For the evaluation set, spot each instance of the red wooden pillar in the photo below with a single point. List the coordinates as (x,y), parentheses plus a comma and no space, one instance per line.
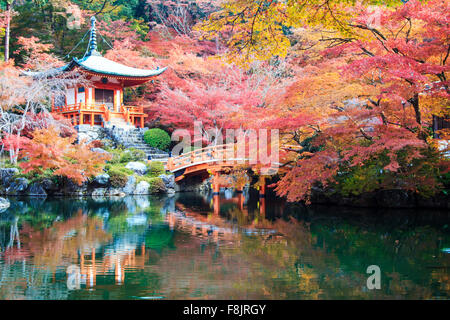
(216,192)
(216,204)
(92,119)
(216,183)
(142,121)
(241,201)
(81,118)
(262,186)
(262,207)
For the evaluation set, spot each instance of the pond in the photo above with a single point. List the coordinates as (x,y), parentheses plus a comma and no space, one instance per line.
(236,246)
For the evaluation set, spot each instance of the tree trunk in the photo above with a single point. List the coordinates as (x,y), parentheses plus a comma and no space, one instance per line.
(8,30)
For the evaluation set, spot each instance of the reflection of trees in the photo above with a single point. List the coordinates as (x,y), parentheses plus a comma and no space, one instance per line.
(32,255)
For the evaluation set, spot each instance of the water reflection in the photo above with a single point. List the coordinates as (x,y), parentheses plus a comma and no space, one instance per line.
(236,246)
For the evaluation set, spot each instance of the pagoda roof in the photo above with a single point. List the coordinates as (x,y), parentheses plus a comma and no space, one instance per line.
(93,63)
(99,65)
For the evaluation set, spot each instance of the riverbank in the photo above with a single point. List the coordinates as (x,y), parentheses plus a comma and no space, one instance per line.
(140,183)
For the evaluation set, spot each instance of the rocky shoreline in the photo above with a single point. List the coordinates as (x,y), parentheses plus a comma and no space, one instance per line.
(10,185)
(100,186)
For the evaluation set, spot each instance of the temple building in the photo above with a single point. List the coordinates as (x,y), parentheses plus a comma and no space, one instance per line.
(101,102)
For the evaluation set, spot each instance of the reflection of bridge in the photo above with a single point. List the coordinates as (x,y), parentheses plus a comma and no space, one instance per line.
(217,160)
(213,227)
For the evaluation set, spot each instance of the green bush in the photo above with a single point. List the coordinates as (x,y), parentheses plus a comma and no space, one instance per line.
(121,155)
(157,138)
(155,168)
(118,175)
(156,184)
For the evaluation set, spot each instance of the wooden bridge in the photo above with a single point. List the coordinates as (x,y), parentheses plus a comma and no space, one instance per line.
(217,160)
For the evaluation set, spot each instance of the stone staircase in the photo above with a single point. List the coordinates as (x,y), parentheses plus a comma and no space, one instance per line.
(131,137)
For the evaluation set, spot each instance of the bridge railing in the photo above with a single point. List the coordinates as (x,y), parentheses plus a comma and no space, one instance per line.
(225,152)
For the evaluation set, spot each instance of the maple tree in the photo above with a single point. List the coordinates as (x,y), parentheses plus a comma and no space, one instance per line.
(47,150)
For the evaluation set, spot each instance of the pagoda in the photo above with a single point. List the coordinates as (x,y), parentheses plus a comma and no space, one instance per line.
(101,102)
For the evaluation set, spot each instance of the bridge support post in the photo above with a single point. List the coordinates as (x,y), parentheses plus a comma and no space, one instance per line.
(216,184)
(262,207)
(262,186)
(216,193)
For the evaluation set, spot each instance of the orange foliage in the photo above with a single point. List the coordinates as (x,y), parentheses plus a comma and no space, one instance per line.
(49,151)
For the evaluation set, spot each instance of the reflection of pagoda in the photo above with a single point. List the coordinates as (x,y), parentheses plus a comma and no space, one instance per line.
(101,102)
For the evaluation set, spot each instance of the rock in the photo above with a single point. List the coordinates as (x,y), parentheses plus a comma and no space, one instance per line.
(169,180)
(6,175)
(36,190)
(99,150)
(115,193)
(49,185)
(130,187)
(170,191)
(395,198)
(99,192)
(4,204)
(142,188)
(192,184)
(102,179)
(138,167)
(17,187)
(88,133)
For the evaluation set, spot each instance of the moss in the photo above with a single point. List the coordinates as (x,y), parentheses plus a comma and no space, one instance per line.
(155,168)
(156,184)
(121,155)
(118,174)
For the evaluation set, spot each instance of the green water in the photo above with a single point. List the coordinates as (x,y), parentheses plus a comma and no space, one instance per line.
(179,248)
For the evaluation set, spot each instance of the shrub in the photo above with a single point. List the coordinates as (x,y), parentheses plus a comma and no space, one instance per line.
(96,144)
(132,154)
(117,178)
(121,155)
(155,168)
(118,174)
(156,184)
(157,138)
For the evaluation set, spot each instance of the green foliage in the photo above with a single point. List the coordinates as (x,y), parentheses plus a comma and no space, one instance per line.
(156,184)
(34,176)
(156,168)
(118,174)
(157,138)
(121,155)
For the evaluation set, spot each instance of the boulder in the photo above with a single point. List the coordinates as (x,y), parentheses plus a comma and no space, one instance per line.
(99,150)
(130,187)
(36,190)
(6,175)
(4,204)
(169,180)
(115,193)
(49,185)
(99,192)
(17,187)
(142,188)
(102,179)
(137,167)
